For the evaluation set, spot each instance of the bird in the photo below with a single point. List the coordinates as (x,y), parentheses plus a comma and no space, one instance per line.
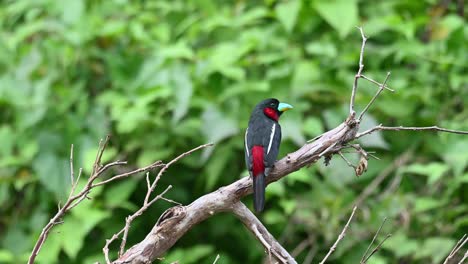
(262,142)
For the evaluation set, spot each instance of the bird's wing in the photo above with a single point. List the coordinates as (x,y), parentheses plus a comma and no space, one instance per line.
(247,151)
(272,146)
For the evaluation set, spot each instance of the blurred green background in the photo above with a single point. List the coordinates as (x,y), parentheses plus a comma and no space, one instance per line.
(164,76)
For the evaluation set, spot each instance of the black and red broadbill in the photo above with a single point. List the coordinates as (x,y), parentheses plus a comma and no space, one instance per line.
(262,141)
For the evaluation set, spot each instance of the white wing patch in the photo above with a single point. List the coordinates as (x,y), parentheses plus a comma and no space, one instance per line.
(246,148)
(273,128)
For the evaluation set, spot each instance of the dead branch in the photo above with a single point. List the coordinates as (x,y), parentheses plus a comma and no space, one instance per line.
(73,200)
(260,232)
(146,203)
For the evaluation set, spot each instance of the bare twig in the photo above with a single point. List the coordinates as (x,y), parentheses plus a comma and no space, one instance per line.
(464,258)
(216,259)
(365,258)
(340,237)
(148,201)
(154,184)
(102,147)
(73,200)
(457,248)
(132,217)
(398,128)
(381,88)
(376,83)
(377,248)
(154,165)
(72,172)
(359,73)
(346,160)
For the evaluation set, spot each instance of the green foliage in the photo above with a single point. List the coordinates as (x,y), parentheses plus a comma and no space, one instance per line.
(164,76)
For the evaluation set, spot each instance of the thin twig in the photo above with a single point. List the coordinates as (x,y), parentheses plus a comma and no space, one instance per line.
(376,83)
(155,182)
(102,147)
(398,128)
(373,239)
(216,259)
(126,174)
(457,248)
(148,201)
(129,219)
(72,172)
(346,160)
(359,73)
(365,258)
(377,248)
(381,88)
(74,199)
(464,258)
(340,237)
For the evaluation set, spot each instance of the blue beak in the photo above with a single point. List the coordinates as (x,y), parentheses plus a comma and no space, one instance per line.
(283,107)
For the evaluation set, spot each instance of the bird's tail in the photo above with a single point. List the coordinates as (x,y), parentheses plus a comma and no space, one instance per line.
(259,192)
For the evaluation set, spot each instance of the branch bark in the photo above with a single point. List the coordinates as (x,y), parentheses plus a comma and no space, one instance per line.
(251,222)
(176,221)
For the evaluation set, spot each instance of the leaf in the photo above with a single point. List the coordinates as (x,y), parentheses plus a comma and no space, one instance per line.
(304,77)
(424,204)
(179,50)
(287,13)
(183,84)
(194,254)
(303,176)
(291,128)
(118,193)
(251,16)
(456,155)
(434,171)
(6,256)
(288,205)
(375,139)
(342,15)
(277,189)
(76,226)
(274,217)
(53,173)
(435,248)
(216,127)
(312,127)
(72,12)
(217,165)
(401,245)
(322,48)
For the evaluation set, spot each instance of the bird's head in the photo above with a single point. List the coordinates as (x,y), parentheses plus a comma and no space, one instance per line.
(272,108)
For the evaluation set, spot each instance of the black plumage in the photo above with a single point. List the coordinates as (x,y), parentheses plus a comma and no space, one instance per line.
(262,141)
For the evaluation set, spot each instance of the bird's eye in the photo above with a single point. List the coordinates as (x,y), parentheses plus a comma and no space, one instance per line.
(272,104)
